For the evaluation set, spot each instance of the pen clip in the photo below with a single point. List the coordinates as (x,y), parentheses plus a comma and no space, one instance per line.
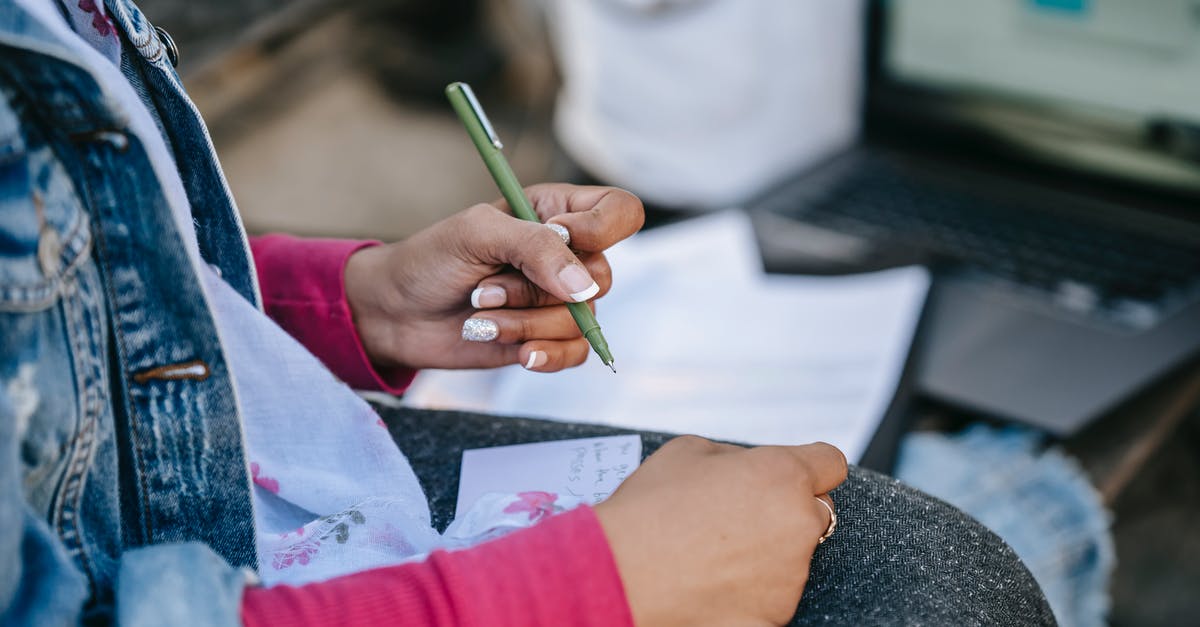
(477,109)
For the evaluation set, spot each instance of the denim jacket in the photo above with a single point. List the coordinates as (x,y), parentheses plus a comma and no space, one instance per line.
(125,493)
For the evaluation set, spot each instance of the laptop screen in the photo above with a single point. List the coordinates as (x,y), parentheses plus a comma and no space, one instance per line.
(1127,71)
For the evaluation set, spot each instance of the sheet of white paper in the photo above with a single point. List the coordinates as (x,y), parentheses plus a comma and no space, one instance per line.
(587,468)
(706,343)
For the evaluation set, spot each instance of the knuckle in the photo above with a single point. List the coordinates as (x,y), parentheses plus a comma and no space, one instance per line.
(544,249)
(693,443)
(531,293)
(475,223)
(842,463)
(777,464)
(525,329)
(478,212)
(571,331)
(536,191)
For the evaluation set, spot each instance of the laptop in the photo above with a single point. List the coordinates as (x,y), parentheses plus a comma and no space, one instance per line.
(1043,157)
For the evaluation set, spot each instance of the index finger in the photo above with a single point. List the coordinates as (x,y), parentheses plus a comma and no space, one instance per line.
(596,217)
(826,465)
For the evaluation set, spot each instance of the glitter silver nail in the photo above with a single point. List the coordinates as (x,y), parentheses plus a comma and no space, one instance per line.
(480,330)
(562,232)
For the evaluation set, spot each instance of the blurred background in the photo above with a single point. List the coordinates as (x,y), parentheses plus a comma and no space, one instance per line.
(329,120)
(329,117)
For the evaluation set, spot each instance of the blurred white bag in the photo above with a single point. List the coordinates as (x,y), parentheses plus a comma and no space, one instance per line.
(703,103)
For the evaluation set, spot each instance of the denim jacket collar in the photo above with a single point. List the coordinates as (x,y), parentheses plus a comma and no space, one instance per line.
(18,29)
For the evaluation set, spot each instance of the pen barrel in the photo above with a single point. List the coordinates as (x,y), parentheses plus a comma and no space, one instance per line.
(586,320)
(488,149)
(506,180)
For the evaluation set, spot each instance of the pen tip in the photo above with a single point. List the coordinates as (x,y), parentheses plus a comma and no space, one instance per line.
(613,367)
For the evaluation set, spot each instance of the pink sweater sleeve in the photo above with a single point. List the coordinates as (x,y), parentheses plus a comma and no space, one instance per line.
(560,572)
(304,291)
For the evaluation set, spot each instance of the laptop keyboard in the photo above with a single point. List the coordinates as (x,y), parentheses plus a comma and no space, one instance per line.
(1099,271)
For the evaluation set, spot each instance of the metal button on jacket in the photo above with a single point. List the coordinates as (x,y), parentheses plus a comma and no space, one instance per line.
(169,44)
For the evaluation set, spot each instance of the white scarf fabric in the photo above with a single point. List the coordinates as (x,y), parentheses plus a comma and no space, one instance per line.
(332,494)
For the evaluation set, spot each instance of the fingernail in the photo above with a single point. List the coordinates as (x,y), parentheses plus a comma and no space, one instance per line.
(489,296)
(562,232)
(480,330)
(578,282)
(536,359)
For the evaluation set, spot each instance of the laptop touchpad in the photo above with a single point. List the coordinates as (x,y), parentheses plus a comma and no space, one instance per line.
(789,246)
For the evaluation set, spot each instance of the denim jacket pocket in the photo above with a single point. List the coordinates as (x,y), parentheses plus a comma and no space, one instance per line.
(44,232)
(50,318)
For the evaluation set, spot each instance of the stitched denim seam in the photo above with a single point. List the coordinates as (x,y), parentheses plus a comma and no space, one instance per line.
(69,502)
(157,52)
(143,38)
(136,37)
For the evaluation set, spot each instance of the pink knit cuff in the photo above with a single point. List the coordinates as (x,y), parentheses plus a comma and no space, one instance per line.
(560,572)
(304,291)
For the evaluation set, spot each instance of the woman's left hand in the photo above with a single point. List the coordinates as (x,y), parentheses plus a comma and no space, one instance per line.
(504,278)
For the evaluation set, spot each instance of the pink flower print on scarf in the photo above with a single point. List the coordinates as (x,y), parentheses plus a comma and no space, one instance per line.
(100,20)
(538,504)
(267,483)
(302,552)
(335,526)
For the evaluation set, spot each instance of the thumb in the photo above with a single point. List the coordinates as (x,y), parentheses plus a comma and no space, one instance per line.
(495,237)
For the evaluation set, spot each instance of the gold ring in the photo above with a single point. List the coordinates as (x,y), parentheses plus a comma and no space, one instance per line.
(832,522)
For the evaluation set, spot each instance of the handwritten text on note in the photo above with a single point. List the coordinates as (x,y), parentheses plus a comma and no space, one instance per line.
(588,468)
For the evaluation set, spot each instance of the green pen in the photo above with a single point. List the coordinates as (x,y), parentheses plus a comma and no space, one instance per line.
(484,136)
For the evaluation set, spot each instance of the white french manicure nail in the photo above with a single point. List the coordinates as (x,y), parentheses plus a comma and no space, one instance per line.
(489,296)
(480,330)
(578,282)
(536,358)
(587,294)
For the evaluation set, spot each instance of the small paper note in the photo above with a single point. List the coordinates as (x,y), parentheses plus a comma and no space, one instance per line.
(588,468)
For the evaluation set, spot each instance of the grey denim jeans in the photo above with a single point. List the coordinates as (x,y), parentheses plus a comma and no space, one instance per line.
(898,557)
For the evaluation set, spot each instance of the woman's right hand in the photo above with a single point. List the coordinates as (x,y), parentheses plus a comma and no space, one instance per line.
(715,534)
(411,299)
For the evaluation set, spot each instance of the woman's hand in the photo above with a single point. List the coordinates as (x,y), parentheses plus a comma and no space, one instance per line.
(714,534)
(411,299)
